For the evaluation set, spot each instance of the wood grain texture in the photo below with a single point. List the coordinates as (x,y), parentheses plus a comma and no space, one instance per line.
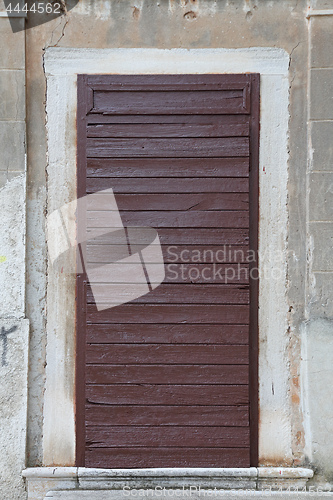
(167,334)
(181,219)
(171,313)
(184,274)
(180,236)
(172,126)
(230,121)
(146,83)
(157,354)
(168,185)
(229,416)
(198,254)
(169,103)
(176,294)
(192,437)
(167,457)
(168,167)
(220,395)
(168,374)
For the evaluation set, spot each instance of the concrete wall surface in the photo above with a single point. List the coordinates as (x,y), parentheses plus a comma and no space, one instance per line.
(14,327)
(298,192)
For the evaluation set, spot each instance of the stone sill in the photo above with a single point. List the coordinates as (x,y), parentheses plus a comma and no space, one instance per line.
(44,479)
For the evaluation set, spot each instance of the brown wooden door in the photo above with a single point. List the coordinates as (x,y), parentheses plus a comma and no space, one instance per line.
(170,379)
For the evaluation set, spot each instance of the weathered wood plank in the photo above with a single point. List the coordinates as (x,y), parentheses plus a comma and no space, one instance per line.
(168,82)
(220,395)
(200,219)
(168,185)
(167,334)
(171,313)
(167,374)
(175,102)
(176,294)
(169,148)
(157,354)
(199,254)
(168,167)
(237,416)
(191,437)
(226,274)
(180,126)
(180,201)
(167,457)
(176,236)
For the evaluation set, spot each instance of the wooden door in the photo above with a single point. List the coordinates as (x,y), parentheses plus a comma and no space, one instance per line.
(170,379)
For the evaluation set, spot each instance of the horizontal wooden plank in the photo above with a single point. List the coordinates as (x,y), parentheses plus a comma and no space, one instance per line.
(226,120)
(170,313)
(176,236)
(220,395)
(167,334)
(237,416)
(176,102)
(172,437)
(167,374)
(158,354)
(200,219)
(168,82)
(166,457)
(170,148)
(178,127)
(183,201)
(169,185)
(201,254)
(168,167)
(176,294)
(226,274)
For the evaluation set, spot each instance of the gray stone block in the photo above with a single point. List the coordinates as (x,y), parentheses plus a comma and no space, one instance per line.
(12,54)
(321,94)
(12,248)
(3,179)
(321,243)
(12,91)
(320,298)
(317,344)
(321,197)
(322,144)
(321,55)
(12,146)
(14,338)
(194,495)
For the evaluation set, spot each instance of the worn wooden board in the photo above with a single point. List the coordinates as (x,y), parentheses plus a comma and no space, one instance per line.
(219,395)
(167,334)
(167,374)
(159,354)
(162,415)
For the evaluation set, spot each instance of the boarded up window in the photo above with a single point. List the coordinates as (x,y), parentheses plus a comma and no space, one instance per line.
(170,378)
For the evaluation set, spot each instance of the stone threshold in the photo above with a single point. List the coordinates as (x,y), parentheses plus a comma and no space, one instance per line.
(42,480)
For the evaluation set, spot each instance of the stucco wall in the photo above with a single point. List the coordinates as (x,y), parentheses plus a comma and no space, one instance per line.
(14,327)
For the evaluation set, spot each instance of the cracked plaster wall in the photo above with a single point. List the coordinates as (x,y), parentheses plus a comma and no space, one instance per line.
(14,327)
